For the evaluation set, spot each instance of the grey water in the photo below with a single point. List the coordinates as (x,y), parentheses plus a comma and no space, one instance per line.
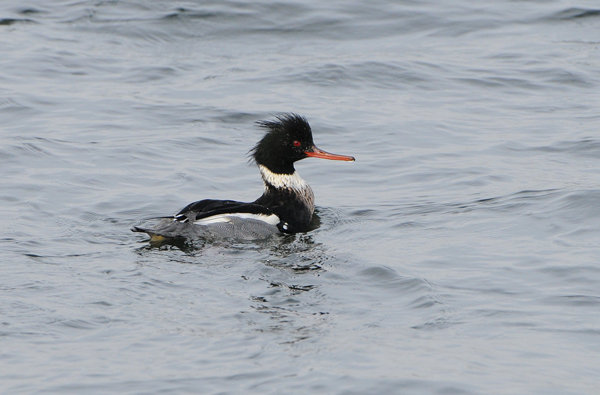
(459,254)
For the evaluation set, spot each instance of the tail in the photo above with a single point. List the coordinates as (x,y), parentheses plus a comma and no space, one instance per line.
(138,229)
(168,228)
(154,236)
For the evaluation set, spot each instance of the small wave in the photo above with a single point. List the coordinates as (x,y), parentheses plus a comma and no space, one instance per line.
(181,13)
(12,21)
(10,105)
(355,75)
(574,300)
(30,11)
(587,146)
(327,218)
(143,74)
(576,13)
(577,207)
(387,277)
(497,203)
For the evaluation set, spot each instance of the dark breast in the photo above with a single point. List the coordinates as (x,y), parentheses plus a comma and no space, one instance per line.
(291,206)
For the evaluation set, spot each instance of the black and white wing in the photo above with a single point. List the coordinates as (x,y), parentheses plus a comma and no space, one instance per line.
(210,211)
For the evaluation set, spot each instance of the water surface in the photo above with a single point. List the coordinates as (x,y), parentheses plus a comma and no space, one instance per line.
(459,254)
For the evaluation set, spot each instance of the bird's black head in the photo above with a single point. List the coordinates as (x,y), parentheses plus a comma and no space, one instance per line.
(288,140)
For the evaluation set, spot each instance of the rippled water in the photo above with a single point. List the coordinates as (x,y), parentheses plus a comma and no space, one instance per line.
(459,254)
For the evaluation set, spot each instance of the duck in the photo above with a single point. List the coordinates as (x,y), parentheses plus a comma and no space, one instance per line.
(286,206)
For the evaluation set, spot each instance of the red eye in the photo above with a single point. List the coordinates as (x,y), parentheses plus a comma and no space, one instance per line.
(297,143)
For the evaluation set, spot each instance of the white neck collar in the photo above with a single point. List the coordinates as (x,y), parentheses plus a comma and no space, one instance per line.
(280,181)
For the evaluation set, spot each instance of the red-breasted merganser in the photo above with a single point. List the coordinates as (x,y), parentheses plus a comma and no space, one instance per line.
(286,206)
